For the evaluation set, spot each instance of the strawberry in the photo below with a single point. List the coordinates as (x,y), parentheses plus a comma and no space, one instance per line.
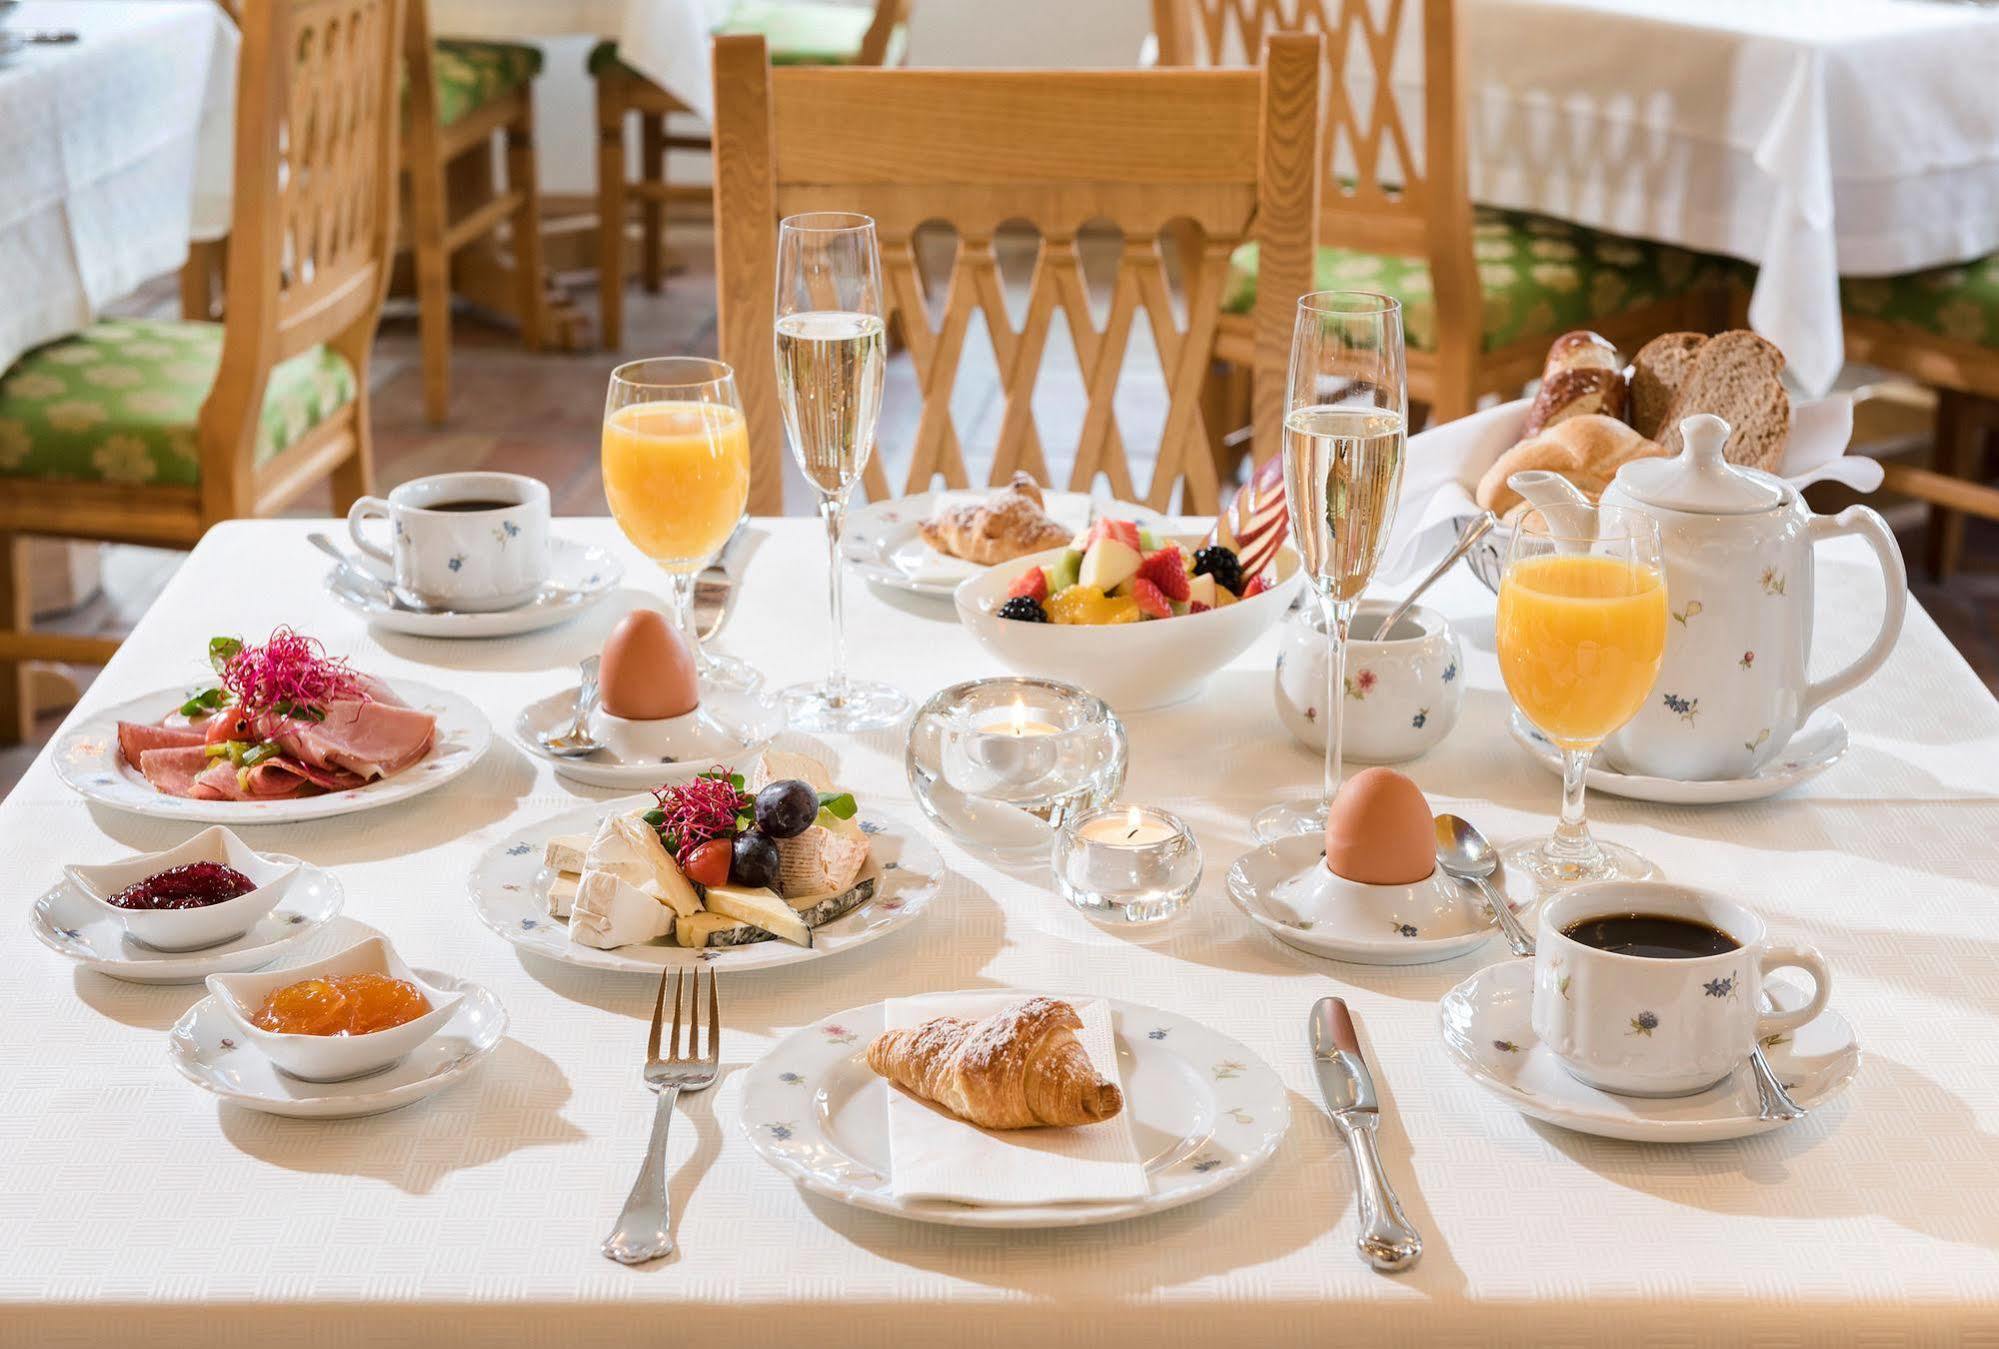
(1167,569)
(1257,586)
(1124,531)
(1033,584)
(1199,608)
(1152,602)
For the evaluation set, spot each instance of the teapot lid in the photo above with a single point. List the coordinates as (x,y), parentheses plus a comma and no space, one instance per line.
(1697,479)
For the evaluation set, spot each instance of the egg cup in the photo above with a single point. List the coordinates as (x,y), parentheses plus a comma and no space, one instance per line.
(723,726)
(189,929)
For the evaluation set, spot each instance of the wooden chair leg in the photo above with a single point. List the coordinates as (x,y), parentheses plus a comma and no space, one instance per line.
(652,209)
(198,275)
(433,280)
(17,703)
(522,180)
(1943,545)
(610,213)
(354,477)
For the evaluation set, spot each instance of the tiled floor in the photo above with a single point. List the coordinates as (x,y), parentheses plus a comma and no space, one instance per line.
(540,415)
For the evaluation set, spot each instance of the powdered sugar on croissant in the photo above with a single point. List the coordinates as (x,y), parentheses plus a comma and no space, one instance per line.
(1019,1068)
(1008,524)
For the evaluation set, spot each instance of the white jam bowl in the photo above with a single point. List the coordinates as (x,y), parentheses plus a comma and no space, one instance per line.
(190,929)
(1403,689)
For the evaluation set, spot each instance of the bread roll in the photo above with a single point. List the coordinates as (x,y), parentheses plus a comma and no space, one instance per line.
(1587,450)
(1582,375)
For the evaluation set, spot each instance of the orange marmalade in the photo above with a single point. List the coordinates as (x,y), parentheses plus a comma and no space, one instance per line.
(341,1004)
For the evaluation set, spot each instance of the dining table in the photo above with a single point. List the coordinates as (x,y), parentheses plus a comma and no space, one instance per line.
(136,1208)
(664,40)
(115,152)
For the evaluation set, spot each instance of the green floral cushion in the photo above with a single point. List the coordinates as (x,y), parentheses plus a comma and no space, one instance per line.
(1540,276)
(473,74)
(1961,302)
(798,33)
(118,402)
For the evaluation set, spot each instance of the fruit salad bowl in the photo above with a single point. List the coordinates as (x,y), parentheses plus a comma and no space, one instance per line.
(1132,665)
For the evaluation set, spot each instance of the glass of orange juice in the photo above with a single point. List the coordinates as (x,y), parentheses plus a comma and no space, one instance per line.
(1580,632)
(677,475)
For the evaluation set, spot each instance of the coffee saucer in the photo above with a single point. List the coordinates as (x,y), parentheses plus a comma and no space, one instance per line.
(728,730)
(210,1051)
(1488,1032)
(579,576)
(1819,744)
(1434,919)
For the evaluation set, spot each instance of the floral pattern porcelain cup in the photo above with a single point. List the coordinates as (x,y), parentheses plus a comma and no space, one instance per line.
(1402,690)
(468,561)
(1641,1026)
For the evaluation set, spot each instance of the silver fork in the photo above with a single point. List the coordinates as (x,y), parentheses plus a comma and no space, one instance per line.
(643,1231)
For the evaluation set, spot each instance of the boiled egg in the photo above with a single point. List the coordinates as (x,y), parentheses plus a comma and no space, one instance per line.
(1379,830)
(646,672)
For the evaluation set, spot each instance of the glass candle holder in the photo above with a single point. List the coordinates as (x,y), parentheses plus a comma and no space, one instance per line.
(999,764)
(1127,864)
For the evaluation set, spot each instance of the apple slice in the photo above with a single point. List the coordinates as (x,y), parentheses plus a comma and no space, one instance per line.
(1109,563)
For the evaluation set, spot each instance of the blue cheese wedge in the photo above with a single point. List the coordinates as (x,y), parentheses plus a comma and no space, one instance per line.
(762,909)
(824,860)
(714,929)
(818,910)
(565,852)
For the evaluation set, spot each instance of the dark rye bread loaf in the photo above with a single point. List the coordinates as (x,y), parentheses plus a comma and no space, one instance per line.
(1657,372)
(1739,377)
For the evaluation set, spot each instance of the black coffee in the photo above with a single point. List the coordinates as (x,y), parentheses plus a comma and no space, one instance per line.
(1652,935)
(471,505)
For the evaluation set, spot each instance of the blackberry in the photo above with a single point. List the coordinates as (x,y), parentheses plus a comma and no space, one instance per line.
(1025,609)
(1220,562)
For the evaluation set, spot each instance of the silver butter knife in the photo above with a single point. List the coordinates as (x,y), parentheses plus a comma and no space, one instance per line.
(1385,1240)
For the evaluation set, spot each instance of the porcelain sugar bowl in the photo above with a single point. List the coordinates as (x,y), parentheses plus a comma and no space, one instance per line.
(1402,689)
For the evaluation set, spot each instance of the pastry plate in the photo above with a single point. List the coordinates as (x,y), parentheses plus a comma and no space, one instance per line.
(579,576)
(882,543)
(741,724)
(1378,925)
(1488,1031)
(1204,1110)
(205,1046)
(87,758)
(509,889)
(70,925)
(1819,744)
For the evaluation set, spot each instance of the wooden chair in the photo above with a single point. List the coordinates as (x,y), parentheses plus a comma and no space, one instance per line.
(1939,327)
(142,431)
(461,95)
(1483,291)
(1214,157)
(799,32)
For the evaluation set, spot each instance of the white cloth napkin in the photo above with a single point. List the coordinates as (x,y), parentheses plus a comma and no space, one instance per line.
(935,1155)
(1445,463)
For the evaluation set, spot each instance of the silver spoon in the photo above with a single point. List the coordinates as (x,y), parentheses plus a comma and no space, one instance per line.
(1463,853)
(1773,1102)
(1479,526)
(360,579)
(577,741)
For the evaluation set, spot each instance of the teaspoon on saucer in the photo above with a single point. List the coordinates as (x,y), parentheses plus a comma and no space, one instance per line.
(1464,854)
(577,741)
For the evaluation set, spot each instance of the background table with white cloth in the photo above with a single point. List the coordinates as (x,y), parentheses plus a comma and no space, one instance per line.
(134,1208)
(664,40)
(115,150)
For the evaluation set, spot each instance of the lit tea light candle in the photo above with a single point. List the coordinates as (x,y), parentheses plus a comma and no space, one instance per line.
(1127,864)
(1132,829)
(1020,722)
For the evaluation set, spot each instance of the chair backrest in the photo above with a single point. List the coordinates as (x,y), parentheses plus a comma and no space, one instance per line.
(889,16)
(1379,195)
(313,226)
(1192,162)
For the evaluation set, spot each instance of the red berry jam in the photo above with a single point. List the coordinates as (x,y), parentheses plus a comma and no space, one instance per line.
(194,886)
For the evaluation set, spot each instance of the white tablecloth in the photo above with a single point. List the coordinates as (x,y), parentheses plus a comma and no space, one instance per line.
(133,1209)
(1836,137)
(114,152)
(664,40)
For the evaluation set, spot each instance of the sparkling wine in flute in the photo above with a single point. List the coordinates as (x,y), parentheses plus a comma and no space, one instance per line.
(1343,470)
(830,367)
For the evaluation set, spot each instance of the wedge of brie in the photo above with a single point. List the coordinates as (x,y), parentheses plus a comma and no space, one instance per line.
(610,911)
(823,860)
(628,848)
(777,765)
(565,852)
(562,894)
(762,909)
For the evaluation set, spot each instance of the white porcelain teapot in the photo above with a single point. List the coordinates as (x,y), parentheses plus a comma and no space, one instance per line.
(1737,544)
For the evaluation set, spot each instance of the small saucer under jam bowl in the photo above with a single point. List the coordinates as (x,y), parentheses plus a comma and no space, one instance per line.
(72,924)
(332,1058)
(728,728)
(1819,744)
(1285,888)
(208,1050)
(1488,1031)
(201,925)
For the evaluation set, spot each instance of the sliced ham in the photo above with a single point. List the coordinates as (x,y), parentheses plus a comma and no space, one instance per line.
(174,769)
(272,780)
(135,738)
(373,739)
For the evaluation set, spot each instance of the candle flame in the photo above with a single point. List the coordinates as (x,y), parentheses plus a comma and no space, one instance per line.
(1132,822)
(1019,717)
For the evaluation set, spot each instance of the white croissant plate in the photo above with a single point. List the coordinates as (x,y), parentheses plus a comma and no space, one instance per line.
(509,889)
(882,544)
(1204,1110)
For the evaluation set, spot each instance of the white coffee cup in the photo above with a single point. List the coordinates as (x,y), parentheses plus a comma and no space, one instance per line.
(1648,1026)
(493,555)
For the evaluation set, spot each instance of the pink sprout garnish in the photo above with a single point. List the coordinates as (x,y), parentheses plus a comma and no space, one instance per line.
(290,674)
(698,811)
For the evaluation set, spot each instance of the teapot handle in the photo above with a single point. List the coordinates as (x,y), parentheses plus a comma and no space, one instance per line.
(1870,526)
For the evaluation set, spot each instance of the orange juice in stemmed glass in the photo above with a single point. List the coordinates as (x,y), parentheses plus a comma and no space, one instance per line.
(676,460)
(1581,630)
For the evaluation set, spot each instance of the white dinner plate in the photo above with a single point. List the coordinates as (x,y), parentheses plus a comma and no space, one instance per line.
(1819,744)
(881,542)
(510,893)
(1489,1033)
(87,758)
(70,925)
(1204,1110)
(579,576)
(207,1049)
(1382,925)
(741,725)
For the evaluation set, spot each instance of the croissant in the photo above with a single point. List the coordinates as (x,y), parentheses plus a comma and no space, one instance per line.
(1019,1068)
(1008,524)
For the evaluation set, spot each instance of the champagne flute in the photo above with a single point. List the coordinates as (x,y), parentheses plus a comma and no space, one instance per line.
(1581,630)
(676,458)
(1344,430)
(831,350)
